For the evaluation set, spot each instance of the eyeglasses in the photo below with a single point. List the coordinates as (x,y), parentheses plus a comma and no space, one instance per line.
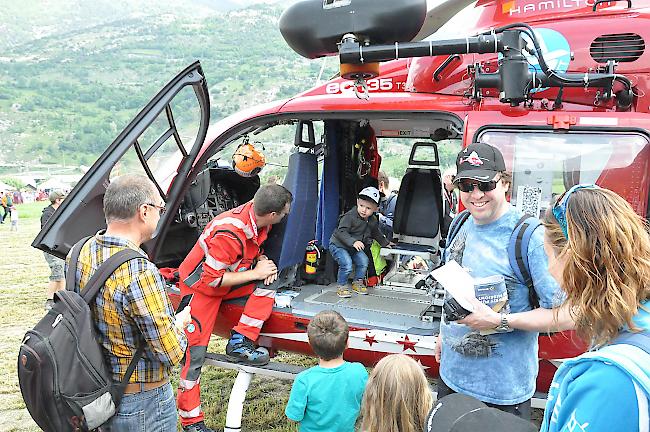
(161,209)
(468,185)
(559,208)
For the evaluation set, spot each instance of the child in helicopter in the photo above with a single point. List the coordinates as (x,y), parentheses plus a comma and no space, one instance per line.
(352,237)
(327,397)
(397,396)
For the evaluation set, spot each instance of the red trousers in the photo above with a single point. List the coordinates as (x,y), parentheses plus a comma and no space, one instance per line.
(205,309)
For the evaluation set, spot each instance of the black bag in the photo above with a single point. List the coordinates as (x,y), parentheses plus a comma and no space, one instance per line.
(64,378)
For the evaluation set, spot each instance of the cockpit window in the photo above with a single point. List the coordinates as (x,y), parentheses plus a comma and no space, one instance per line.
(546,163)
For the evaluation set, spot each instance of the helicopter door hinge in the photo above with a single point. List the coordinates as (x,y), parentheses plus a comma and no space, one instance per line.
(561,121)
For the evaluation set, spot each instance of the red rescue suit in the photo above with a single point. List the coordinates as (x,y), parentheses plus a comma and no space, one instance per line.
(230,243)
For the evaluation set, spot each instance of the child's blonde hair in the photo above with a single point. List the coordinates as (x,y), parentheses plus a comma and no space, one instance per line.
(397,396)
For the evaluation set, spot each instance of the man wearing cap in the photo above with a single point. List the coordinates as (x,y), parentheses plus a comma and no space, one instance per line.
(488,355)
(56,264)
(352,237)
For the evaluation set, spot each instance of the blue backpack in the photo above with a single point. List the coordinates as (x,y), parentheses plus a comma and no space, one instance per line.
(517,248)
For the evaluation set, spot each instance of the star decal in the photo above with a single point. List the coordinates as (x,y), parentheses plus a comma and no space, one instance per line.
(370,339)
(407,344)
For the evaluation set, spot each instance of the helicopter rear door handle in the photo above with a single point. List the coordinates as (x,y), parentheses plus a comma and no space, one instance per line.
(597,2)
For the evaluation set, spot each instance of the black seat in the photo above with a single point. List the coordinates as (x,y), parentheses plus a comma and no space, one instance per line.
(419,207)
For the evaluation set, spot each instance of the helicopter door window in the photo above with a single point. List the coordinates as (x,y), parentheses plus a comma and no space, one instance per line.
(329,4)
(544,164)
(160,149)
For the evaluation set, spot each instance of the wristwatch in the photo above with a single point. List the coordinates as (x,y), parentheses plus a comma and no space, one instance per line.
(503,327)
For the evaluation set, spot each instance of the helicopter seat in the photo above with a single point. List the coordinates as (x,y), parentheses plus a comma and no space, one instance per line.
(418,211)
(288,239)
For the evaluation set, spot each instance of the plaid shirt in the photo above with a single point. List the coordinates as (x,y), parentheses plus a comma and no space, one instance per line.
(132,303)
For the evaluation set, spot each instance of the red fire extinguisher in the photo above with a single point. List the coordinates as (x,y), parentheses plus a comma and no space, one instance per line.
(312,258)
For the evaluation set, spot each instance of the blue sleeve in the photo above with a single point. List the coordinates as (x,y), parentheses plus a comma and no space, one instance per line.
(601,399)
(548,291)
(295,409)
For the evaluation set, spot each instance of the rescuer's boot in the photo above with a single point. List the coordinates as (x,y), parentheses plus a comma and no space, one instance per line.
(242,350)
(197,427)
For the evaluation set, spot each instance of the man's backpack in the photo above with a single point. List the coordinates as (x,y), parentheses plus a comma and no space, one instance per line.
(517,249)
(63,375)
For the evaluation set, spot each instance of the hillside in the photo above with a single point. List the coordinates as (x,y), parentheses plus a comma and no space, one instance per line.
(67,91)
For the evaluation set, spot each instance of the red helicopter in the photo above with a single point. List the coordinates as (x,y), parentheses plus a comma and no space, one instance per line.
(560,86)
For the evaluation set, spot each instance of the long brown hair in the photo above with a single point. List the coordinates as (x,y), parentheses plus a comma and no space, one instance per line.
(606,274)
(397,396)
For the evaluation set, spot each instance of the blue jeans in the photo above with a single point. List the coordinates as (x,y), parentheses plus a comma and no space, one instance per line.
(345,260)
(149,411)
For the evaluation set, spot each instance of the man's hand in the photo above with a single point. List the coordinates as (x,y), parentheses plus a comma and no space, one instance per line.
(269,280)
(438,350)
(358,245)
(483,317)
(264,269)
(183,318)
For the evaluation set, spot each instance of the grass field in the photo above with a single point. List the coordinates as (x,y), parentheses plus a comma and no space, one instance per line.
(23,279)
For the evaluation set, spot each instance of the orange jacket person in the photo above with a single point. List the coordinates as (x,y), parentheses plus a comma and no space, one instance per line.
(226,257)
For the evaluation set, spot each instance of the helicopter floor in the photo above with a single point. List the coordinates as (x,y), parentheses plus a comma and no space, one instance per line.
(380,308)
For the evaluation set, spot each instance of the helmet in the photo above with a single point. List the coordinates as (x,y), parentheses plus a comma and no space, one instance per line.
(247,161)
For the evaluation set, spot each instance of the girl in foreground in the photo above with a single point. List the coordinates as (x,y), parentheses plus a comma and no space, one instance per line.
(397,396)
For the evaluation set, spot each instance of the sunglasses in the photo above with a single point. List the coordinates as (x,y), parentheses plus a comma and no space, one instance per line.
(559,208)
(468,185)
(161,209)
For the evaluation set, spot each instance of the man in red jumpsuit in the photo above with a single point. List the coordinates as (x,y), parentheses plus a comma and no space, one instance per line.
(225,258)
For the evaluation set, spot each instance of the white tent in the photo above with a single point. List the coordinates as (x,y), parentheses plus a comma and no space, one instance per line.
(54,183)
(6,187)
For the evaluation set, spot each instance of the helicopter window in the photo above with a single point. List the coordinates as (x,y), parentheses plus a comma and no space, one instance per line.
(128,164)
(545,164)
(159,150)
(395,153)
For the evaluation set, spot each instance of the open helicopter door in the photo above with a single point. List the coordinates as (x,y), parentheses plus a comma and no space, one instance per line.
(162,143)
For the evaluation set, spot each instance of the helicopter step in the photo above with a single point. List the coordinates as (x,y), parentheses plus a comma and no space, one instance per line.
(281,371)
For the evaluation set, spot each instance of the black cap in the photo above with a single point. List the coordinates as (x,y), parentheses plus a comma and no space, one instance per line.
(460,413)
(479,161)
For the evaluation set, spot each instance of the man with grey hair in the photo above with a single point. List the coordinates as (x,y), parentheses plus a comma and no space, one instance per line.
(57,278)
(227,260)
(132,307)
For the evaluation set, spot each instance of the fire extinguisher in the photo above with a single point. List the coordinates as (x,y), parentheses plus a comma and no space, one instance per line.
(312,258)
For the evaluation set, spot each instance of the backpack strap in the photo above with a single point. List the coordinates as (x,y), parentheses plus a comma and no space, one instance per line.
(71,273)
(518,254)
(455,226)
(105,270)
(638,339)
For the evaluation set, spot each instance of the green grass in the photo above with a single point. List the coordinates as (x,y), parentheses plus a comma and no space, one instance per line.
(24,275)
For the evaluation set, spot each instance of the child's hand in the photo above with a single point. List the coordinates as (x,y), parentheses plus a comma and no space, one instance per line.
(359,246)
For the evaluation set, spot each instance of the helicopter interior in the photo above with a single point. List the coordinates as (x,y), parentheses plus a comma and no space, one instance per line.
(328,162)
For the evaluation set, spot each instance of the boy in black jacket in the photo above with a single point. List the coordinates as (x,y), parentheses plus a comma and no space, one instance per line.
(355,232)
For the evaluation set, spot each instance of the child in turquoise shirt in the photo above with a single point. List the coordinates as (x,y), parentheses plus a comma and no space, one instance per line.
(328,397)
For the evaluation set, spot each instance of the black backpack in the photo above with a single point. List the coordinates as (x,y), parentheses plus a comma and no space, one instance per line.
(63,375)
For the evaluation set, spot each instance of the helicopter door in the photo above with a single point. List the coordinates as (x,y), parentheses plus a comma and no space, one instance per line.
(162,143)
